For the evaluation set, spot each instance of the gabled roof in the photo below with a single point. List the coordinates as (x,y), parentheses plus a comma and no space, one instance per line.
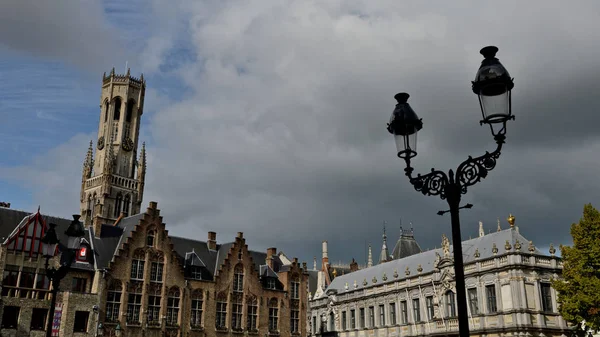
(426,259)
(12,220)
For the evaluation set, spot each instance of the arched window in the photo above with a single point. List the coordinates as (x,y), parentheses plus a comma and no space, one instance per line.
(153,309)
(89,204)
(129,113)
(134,302)
(150,238)
(113,301)
(221,317)
(118,204)
(137,265)
(127,204)
(273,314)
(331,321)
(197,308)
(238,278)
(94,201)
(173,306)
(252,315)
(236,313)
(450,304)
(117,115)
(156,268)
(106,105)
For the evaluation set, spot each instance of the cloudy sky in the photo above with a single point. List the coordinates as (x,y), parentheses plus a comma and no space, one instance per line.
(268,117)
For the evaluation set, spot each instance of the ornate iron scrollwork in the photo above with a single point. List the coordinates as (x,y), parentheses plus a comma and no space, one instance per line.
(433,183)
(472,170)
(469,173)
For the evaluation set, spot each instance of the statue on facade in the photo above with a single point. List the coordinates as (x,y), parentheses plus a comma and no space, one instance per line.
(445,246)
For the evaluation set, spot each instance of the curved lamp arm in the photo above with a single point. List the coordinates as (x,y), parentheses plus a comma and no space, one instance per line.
(433,183)
(468,173)
(472,170)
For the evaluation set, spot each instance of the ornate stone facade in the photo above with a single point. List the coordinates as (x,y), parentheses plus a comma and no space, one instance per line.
(508,293)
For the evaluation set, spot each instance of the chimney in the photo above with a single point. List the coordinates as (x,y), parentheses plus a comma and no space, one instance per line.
(212,241)
(325,258)
(353,265)
(240,235)
(304,268)
(270,253)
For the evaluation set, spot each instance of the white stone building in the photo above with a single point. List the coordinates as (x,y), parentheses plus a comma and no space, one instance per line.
(508,293)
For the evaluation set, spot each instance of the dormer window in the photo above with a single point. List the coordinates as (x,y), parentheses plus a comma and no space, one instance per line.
(195,273)
(271,283)
(150,239)
(82,254)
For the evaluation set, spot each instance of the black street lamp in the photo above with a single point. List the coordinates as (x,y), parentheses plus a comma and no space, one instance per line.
(492,85)
(50,243)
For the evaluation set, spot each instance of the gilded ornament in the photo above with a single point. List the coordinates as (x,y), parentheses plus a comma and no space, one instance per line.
(494,249)
(531,247)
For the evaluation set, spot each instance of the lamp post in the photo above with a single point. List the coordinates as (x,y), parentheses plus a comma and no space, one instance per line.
(493,86)
(50,243)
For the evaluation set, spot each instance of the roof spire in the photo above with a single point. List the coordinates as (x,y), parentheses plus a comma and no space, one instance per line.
(89,157)
(481,231)
(385,254)
(314,263)
(499,229)
(370,258)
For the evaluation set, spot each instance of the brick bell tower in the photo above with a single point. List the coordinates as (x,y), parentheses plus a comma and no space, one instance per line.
(113,182)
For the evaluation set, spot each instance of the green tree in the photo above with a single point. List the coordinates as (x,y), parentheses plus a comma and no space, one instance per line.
(579,289)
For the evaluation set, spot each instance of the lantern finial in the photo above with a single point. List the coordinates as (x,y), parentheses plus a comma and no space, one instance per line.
(489,52)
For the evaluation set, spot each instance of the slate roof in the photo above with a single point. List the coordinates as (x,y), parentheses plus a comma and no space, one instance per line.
(405,246)
(426,260)
(112,237)
(313,276)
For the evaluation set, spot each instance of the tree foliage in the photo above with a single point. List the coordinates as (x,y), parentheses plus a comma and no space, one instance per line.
(579,290)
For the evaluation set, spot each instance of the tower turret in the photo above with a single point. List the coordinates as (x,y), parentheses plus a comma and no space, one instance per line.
(114,182)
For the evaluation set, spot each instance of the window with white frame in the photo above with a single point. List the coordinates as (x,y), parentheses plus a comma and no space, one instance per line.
(295,321)
(113,301)
(295,288)
(221,316)
(450,304)
(393,314)
(197,303)
(173,306)
(430,309)
(252,314)
(404,312)
(238,278)
(416,304)
(137,269)
(236,313)
(273,315)
(156,272)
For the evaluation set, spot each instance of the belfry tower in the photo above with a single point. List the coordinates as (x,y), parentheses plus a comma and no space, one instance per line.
(113,183)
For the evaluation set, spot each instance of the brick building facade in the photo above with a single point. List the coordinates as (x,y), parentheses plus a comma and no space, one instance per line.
(135,276)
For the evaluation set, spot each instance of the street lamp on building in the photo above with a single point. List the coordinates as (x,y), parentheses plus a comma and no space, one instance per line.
(50,243)
(118,330)
(493,87)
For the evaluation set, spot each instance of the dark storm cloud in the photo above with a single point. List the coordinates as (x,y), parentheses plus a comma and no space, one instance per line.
(71,31)
(283,135)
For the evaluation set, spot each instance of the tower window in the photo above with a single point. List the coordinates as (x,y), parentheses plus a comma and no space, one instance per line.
(118,204)
(106,110)
(117,115)
(129,113)
(126,205)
